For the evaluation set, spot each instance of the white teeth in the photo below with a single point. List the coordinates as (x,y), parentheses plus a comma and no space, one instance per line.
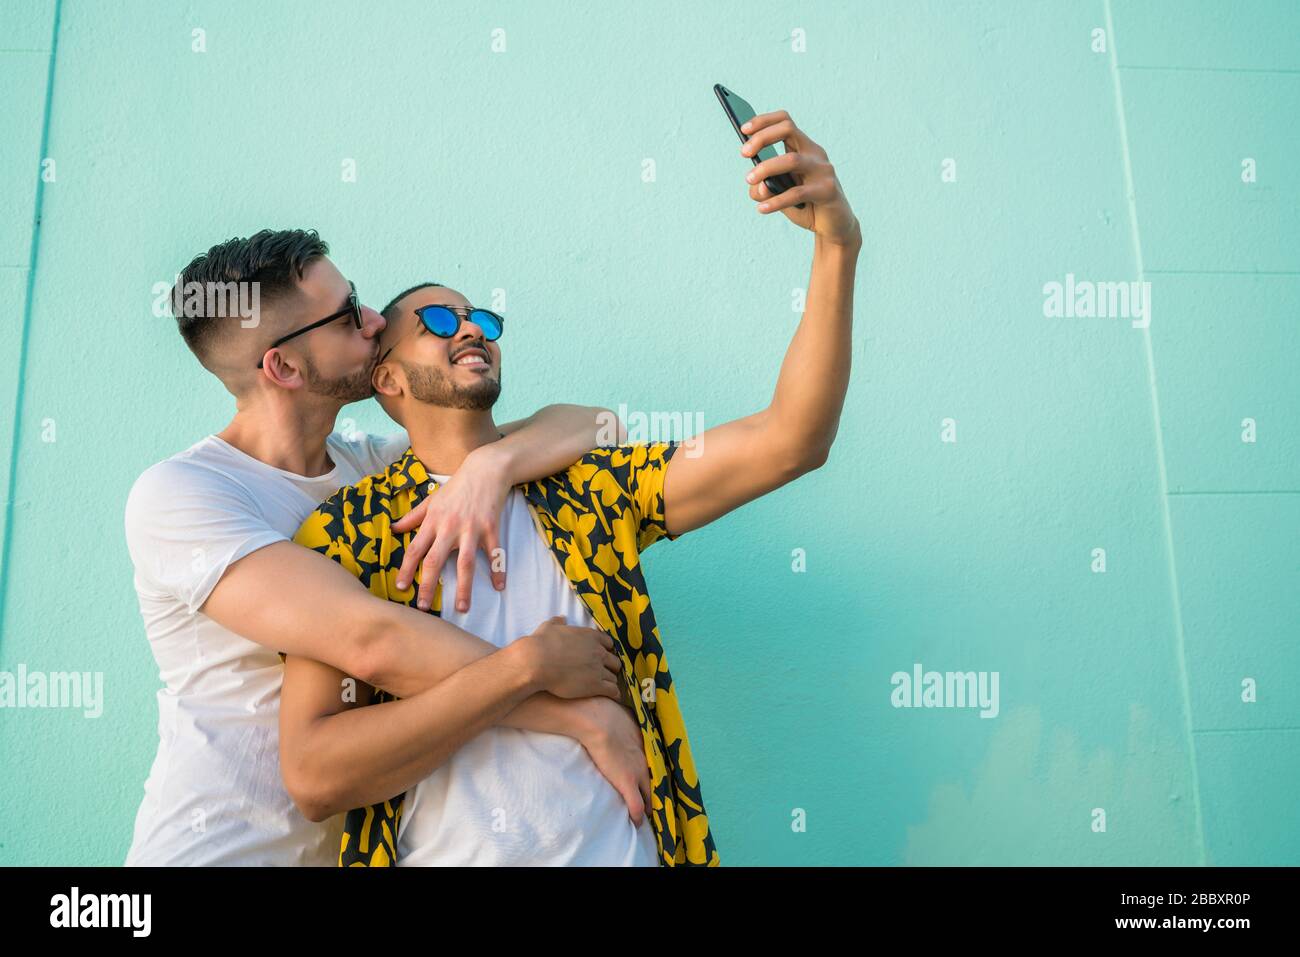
(471,360)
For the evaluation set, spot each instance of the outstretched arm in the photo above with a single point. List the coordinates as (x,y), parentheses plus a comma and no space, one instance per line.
(734,463)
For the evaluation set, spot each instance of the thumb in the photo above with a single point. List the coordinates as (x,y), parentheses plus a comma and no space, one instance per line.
(645,790)
(635,802)
(412,518)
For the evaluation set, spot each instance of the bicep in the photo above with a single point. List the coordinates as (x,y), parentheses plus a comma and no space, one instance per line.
(292,599)
(719,470)
(505,428)
(313,690)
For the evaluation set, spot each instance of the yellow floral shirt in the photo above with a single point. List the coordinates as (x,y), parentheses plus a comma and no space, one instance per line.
(597,516)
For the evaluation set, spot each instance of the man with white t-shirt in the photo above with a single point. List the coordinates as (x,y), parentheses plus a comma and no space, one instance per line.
(222,588)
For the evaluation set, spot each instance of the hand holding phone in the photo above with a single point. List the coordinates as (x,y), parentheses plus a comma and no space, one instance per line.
(740,113)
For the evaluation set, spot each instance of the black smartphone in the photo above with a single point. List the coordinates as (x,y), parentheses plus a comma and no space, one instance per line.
(741,113)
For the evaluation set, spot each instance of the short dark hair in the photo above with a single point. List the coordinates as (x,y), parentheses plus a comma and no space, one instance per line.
(274,259)
(389,312)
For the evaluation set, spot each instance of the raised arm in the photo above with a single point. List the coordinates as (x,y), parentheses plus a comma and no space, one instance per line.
(738,461)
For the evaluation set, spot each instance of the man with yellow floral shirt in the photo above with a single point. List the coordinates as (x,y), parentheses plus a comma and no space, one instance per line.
(433,779)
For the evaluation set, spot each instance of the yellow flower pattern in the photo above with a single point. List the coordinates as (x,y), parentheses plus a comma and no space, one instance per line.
(597,516)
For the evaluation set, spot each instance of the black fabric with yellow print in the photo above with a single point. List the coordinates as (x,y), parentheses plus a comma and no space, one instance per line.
(597,516)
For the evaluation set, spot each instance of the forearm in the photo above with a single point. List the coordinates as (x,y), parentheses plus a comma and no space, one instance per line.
(368,754)
(551,439)
(814,378)
(417,651)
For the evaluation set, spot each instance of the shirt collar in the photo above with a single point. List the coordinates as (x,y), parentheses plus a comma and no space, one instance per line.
(409,472)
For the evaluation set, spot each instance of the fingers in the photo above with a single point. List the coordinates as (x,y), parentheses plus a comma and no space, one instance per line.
(430,572)
(549,622)
(644,785)
(611,689)
(635,800)
(412,518)
(496,556)
(791,197)
(766,136)
(612,663)
(785,163)
(415,551)
(464,573)
(602,637)
(778,127)
(763,120)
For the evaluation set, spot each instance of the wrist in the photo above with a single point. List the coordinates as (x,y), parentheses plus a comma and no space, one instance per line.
(522,658)
(584,720)
(850,243)
(492,462)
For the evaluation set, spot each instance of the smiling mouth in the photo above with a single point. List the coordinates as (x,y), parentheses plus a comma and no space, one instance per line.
(472,358)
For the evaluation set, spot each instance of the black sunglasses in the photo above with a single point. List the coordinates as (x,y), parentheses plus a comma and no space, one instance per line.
(444,322)
(353,306)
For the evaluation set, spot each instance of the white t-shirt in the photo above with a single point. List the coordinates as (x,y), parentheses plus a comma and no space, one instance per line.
(510,796)
(214,795)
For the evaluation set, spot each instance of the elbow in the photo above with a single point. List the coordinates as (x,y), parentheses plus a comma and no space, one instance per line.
(802,458)
(373,646)
(815,456)
(308,797)
(314,811)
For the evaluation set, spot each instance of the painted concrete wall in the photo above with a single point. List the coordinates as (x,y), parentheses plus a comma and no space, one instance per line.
(1110,160)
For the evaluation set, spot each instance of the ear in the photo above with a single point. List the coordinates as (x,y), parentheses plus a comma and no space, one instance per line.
(281,371)
(387,380)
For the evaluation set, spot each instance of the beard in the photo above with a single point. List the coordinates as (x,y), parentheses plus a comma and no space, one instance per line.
(349,388)
(436,388)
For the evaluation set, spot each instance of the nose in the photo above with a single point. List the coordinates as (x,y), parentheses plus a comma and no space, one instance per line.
(469,329)
(372,322)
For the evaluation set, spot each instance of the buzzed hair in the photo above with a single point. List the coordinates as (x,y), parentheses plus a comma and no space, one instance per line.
(389,312)
(273,259)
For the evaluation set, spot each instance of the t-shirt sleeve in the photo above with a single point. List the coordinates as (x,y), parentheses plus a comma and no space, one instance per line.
(383,450)
(645,467)
(185,525)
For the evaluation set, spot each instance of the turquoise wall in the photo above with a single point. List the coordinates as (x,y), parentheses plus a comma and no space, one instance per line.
(523,171)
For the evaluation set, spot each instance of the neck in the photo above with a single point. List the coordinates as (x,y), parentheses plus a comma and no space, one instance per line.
(443,438)
(283,434)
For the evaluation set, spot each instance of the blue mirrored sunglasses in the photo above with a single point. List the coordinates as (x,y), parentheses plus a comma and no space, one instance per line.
(444,322)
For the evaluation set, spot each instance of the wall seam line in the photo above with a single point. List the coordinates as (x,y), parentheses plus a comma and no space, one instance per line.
(25,339)
(1179,635)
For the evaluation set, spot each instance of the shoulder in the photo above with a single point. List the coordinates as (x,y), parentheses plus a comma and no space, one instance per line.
(623,462)
(185,478)
(369,454)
